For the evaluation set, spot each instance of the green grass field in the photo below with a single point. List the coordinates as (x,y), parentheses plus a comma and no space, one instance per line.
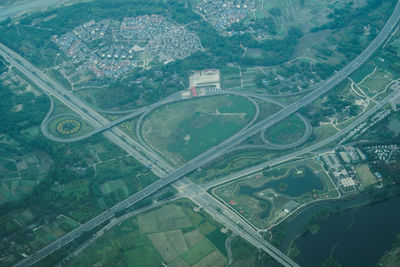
(287,131)
(365,175)
(184,130)
(254,53)
(84,127)
(232,83)
(114,186)
(320,133)
(244,159)
(376,82)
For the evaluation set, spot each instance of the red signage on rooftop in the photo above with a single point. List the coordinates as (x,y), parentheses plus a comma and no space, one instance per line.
(193,91)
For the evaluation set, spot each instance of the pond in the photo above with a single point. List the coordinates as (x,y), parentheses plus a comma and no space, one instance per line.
(293,185)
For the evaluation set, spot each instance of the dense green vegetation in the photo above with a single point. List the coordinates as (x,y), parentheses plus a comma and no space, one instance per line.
(339,103)
(355,19)
(304,71)
(275,51)
(34,109)
(80,181)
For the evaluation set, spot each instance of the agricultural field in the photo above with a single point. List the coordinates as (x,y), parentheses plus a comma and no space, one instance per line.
(114,186)
(231,78)
(91,177)
(289,77)
(15,189)
(183,130)
(20,174)
(8,168)
(264,198)
(173,234)
(249,78)
(102,151)
(49,232)
(287,131)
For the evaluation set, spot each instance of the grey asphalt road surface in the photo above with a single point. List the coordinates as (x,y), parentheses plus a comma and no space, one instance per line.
(217,151)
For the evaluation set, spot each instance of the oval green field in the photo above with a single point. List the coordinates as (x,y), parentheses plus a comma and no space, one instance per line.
(183,130)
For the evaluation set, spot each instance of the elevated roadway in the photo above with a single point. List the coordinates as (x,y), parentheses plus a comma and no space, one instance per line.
(211,154)
(270,146)
(228,218)
(49,88)
(311,148)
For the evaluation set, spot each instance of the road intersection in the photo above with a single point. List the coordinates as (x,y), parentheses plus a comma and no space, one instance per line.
(196,193)
(52,88)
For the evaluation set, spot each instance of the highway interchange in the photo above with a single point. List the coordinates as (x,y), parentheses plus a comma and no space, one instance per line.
(160,167)
(52,88)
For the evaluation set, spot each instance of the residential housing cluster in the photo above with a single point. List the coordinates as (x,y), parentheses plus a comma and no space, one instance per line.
(223,13)
(386,153)
(109,48)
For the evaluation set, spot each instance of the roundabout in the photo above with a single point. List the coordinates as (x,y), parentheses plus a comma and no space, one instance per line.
(68,127)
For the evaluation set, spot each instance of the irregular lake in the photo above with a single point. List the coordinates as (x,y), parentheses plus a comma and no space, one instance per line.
(293,185)
(358,237)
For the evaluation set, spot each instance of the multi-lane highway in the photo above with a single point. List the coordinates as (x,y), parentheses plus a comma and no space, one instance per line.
(228,218)
(51,88)
(271,146)
(97,121)
(303,151)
